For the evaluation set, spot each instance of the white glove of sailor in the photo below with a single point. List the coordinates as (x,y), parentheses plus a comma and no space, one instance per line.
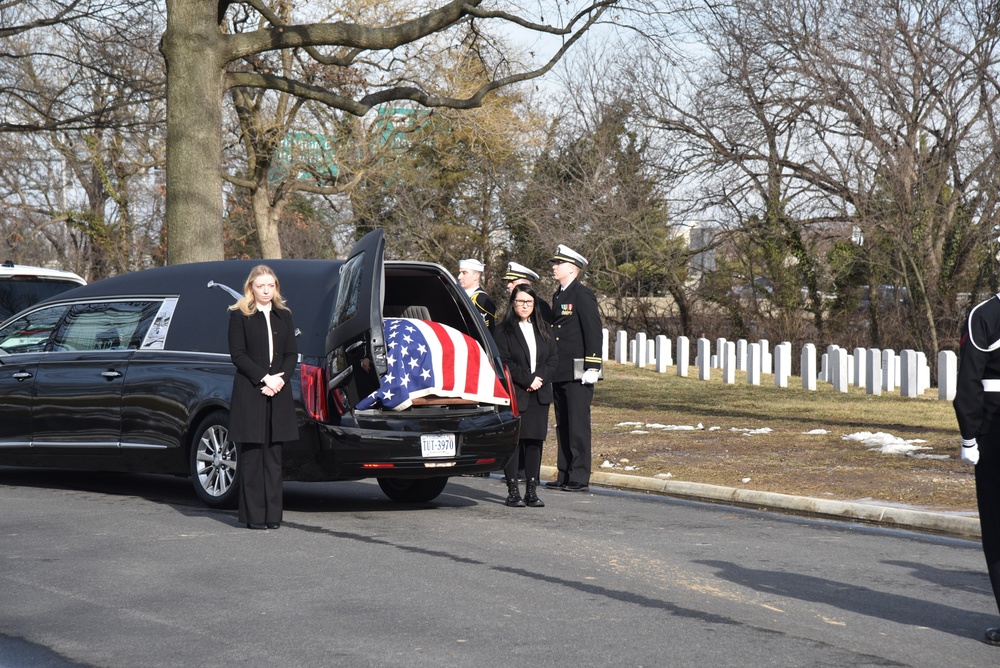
(590,376)
(970,451)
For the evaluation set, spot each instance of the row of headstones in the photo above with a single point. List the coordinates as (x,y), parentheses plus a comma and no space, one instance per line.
(876,370)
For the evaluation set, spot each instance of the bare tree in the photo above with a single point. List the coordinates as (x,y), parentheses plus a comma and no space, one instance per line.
(203,61)
(809,120)
(82,97)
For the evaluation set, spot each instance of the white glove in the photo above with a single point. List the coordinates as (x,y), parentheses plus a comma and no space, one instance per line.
(590,376)
(970,451)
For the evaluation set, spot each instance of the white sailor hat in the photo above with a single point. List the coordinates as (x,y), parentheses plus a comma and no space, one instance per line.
(516,271)
(567,254)
(472,265)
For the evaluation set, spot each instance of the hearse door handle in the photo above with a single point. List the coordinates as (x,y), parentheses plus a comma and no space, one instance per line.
(21,375)
(111,374)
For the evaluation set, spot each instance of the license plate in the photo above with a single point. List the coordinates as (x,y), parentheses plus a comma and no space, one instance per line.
(437,445)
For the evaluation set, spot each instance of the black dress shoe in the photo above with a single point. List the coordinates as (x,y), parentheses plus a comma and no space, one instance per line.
(555,483)
(992,637)
(254,525)
(575,487)
(273,525)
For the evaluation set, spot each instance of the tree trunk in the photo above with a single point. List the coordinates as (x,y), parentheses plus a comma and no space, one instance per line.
(192,46)
(266,217)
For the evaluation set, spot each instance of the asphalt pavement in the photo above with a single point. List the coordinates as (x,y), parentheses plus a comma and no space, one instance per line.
(948,524)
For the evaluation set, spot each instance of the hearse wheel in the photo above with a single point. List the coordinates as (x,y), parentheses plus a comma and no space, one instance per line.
(213,462)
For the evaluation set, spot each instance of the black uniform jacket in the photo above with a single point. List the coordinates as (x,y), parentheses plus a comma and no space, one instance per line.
(576,327)
(486,307)
(978,412)
(514,353)
(248,350)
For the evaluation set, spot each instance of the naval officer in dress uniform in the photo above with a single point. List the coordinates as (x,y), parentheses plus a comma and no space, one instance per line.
(470,273)
(576,327)
(977,407)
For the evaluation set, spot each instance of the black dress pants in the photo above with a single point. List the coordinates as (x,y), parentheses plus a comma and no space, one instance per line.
(260,479)
(572,401)
(988,499)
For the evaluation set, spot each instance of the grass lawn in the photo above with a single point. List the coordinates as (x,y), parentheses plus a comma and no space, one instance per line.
(633,409)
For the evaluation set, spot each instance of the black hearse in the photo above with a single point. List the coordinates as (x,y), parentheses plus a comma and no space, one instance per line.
(133,374)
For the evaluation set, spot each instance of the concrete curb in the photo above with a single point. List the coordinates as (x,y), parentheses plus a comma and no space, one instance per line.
(903,518)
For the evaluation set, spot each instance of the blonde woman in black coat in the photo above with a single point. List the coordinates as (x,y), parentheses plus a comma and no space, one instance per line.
(262,414)
(530,353)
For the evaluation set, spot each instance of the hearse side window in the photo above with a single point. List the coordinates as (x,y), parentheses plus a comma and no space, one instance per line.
(105,326)
(30,333)
(348,291)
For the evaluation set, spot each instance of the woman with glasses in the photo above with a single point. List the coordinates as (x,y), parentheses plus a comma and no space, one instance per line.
(529,351)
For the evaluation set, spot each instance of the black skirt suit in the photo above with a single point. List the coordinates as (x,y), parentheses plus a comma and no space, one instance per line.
(533,406)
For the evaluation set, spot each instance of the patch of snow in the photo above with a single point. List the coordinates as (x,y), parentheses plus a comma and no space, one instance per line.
(663,476)
(638,431)
(629,424)
(892,445)
(672,427)
(751,432)
(607,465)
(816,432)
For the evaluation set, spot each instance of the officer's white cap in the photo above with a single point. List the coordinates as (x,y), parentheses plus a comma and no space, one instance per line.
(567,254)
(472,265)
(516,271)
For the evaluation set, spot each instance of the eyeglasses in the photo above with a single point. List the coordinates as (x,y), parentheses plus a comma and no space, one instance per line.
(524,302)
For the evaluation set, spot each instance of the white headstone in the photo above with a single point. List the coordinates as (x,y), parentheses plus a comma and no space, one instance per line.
(631,351)
(923,373)
(605,335)
(720,351)
(840,370)
(766,363)
(873,380)
(808,364)
(640,349)
(704,359)
(682,356)
(621,347)
(782,364)
(741,355)
(888,370)
(729,363)
(662,353)
(753,364)
(824,367)
(909,374)
(947,375)
(860,365)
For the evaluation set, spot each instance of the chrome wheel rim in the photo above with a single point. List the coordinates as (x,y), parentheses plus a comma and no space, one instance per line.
(216,461)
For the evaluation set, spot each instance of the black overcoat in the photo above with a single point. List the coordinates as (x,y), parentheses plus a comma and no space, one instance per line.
(514,353)
(248,350)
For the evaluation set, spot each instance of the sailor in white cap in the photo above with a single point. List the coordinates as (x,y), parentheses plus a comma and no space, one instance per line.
(977,407)
(470,272)
(576,327)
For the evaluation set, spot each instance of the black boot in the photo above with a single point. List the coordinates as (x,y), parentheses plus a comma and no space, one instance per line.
(513,494)
(530,497)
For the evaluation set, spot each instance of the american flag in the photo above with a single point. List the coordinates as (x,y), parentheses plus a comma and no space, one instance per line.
(430,358)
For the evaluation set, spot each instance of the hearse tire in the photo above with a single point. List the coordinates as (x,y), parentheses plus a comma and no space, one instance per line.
(213,468)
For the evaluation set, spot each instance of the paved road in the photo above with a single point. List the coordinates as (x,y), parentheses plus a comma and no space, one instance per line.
(120,570)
